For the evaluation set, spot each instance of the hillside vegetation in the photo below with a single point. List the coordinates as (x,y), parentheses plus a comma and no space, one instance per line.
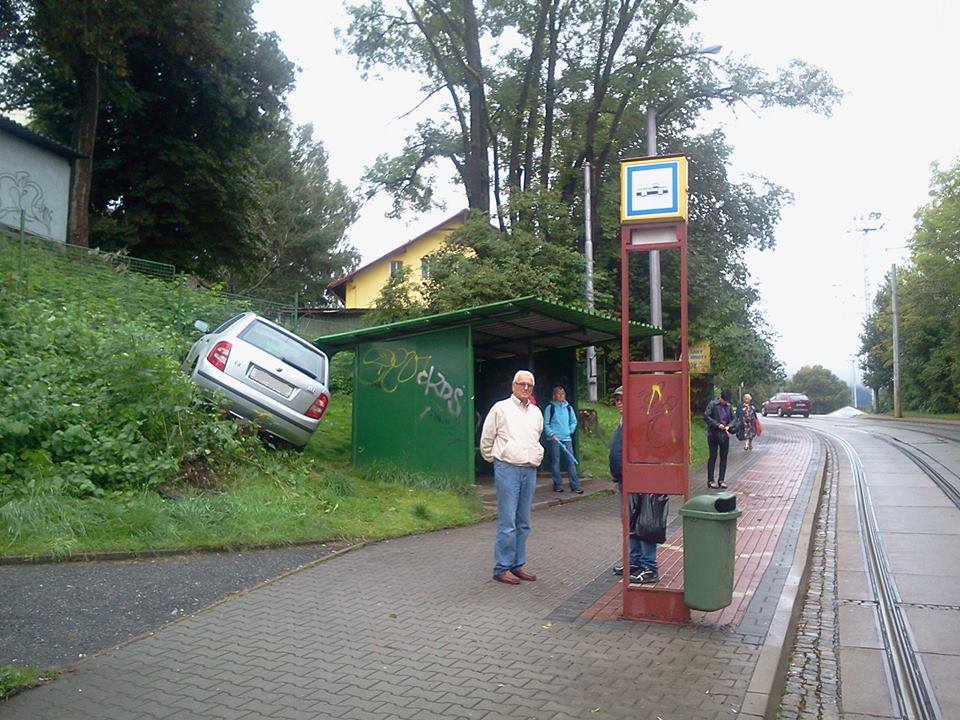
(105,444)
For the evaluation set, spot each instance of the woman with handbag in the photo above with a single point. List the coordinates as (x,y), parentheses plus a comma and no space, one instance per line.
(746,422)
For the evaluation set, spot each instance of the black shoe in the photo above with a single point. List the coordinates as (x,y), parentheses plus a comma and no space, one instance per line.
(644,577)
(578,491)
(558,489)
(618,569)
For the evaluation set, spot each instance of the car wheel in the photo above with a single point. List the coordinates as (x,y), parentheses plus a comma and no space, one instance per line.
(806,415)
(779,412)
(763,412)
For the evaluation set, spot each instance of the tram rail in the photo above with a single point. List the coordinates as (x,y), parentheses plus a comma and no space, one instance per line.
(910,686)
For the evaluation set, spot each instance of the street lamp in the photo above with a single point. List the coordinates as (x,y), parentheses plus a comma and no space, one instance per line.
(656,304)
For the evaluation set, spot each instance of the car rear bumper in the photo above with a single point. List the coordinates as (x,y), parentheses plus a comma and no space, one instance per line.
(244,401)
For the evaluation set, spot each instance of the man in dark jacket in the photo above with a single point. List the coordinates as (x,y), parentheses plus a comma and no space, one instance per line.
(718,416)
(643,555)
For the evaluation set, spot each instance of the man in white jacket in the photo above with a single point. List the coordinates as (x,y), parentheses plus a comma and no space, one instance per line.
(511,441)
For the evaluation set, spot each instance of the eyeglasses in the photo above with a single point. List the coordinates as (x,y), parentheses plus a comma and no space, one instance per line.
(523,384)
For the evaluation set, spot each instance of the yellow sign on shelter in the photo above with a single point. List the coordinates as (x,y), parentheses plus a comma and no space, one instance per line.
(653,189)
(700,357)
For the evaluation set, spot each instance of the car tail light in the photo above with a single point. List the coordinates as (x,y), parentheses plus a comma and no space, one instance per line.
(319,407)
(219,355)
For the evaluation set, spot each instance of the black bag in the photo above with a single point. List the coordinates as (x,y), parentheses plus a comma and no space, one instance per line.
(648,517)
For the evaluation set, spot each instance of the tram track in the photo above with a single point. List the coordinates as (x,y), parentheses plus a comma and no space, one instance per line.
(914,454)
(910,686)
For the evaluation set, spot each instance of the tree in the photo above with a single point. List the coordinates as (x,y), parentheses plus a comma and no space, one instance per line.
(929,306)
(306,215)
(826,391)
(82,46)
(567,83)
(189,93)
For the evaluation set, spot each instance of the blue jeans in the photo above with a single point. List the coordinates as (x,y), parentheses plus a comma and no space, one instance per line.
(555,453)
(643,554)
(515,485)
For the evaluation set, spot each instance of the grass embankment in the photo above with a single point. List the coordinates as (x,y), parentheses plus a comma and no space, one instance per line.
(105,445)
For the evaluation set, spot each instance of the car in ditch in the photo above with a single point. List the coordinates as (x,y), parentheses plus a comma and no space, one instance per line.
(263,373)
(786,404)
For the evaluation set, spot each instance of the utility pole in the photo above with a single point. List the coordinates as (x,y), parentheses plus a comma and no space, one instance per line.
(588,251)
(896,343)
(865,224)
(656,308)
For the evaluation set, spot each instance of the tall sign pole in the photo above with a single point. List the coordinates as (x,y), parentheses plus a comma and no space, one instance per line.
(656,399)
(896,342)
(588,251)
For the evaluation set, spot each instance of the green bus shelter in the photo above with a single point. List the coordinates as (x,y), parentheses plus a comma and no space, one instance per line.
(422,387)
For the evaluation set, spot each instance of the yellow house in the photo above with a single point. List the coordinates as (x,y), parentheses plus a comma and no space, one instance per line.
(360,288)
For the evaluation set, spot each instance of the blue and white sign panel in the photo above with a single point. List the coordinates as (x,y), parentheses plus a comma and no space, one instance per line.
(653,189)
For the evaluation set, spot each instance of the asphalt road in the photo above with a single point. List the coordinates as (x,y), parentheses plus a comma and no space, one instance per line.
(54,614)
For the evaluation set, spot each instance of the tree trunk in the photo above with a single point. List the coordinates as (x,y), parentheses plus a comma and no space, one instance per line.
(550,98)
(84,139)
(528,90)
(478,164)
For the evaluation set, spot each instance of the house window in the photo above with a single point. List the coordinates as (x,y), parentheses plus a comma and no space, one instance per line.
(395,267)
(424,269)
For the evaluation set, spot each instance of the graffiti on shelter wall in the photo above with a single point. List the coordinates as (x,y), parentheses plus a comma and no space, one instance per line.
(19,193)
(434,381)
(396,367)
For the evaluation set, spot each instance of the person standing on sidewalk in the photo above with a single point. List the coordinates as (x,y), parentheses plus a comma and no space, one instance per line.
(511,441)
(643,555)
(559,425)
(718,415)
(746,422)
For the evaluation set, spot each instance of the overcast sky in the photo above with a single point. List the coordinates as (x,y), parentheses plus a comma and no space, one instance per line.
(901,113)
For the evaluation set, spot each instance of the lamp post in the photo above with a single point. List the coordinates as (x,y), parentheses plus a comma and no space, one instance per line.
(656,306)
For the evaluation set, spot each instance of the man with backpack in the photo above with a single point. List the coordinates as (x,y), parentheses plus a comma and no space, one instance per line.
(559,424)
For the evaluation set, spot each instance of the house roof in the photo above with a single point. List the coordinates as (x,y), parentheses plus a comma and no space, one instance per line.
(338,287)
(504,329)
(30,136)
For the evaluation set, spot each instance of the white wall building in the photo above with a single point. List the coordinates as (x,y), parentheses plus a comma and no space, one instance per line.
(35,175)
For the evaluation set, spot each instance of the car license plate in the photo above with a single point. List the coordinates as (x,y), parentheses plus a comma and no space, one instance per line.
(268,380)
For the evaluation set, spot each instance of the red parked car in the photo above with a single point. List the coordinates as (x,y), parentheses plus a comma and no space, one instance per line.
(786,404)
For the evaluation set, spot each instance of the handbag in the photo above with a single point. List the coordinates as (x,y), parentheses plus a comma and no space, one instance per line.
(756,426)
(648,516)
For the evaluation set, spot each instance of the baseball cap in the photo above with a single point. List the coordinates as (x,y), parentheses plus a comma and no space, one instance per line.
(618,391)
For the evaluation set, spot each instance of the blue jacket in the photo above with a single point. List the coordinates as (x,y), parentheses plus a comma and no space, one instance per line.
(616,454)
(560,419)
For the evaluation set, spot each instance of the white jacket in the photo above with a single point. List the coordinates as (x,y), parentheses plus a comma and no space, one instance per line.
(511,433)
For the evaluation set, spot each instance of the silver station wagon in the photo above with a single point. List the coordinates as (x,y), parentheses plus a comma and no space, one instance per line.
(265,373)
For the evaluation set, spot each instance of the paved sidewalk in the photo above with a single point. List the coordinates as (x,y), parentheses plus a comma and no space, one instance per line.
(416,628)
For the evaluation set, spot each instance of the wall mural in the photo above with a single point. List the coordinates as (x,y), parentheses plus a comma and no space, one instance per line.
(18,192)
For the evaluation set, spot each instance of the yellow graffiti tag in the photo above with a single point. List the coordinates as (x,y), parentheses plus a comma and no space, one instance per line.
(656,394)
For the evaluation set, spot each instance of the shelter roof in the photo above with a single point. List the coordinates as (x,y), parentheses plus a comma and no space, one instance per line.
(508,328)
(24,133)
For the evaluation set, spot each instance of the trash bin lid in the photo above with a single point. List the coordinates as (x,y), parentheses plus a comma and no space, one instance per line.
(722,506)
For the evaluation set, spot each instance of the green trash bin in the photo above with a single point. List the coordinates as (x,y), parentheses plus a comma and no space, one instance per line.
(709,544)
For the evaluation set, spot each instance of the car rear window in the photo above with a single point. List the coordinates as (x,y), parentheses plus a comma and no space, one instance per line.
(227,324)
(290,350)
(798,396)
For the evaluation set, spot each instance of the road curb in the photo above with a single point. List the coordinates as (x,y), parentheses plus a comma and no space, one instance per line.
(769,676)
